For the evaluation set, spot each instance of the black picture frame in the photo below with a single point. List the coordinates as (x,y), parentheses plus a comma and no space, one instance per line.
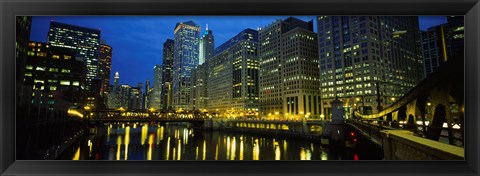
(10,8)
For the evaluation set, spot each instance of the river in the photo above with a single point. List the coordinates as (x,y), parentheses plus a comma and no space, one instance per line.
(177,141)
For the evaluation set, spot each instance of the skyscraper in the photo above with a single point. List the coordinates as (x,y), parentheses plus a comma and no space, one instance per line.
(84,40)
(233,76)
(198,95)
(23,27)
(53,69)
(114,95)
(187,37)
(441,42)
(368,62)
(105,66)
(206,46)
(289,84)
(156,94)
(167,74)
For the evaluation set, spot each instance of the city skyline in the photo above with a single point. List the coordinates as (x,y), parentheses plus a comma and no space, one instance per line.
(153,31)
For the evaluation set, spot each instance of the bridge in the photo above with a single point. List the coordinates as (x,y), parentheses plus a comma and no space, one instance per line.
(426,123)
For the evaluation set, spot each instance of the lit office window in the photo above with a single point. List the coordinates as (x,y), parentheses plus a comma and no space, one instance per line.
(64,82)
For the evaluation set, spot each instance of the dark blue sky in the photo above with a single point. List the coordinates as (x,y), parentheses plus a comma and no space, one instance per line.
(137,41)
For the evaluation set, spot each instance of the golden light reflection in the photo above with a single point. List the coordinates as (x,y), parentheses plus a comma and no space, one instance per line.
(160,134)
(76,156)
(303,156)
(196,153)
(233,145)
(241,148)
(90,144)
(204,150)
(119,143)
(216,152)
(228,148)
(167,155)
(109,130)
(150,146)
(308,154)
(324,156)
(278,153)
(256,150)
(179,151)
(127,141)
(144,133)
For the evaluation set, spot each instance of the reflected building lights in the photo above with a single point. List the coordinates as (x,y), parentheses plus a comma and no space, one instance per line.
(119,143)
(233,145)
(204,150)
(127,141)
(76,156)
(167,156)
(150,146)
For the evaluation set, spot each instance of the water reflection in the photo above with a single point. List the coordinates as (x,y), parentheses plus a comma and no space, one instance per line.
(176,141)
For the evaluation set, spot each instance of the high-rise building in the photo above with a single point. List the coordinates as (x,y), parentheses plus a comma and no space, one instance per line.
(441,42)
(156,94)
(167,73)
(105,66)
(368,62)
(198,95)
(54,69)
(233,76)
(124,96)
(289,83)
(206,46)
(23,27)
(146,94)
(84,40)
(114,95)
(135,99)
(186,45)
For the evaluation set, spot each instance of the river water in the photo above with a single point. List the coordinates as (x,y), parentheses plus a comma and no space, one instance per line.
(177,141)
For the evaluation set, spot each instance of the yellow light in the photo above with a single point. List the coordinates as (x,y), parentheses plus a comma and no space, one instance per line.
(87,107)
(429,104)
(276,113)
(358,99)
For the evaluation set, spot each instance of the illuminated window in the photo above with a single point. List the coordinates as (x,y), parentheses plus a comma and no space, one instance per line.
(28,74)
(75,83)
(56,56)
(54,81)
(65,71)
(39,81)
(31,53)
(64,82)
(53,87)
(67,57)
(29,67)
(40,68)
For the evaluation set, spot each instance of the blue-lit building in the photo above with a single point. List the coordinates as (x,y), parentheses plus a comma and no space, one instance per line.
(206,47)
(186,58)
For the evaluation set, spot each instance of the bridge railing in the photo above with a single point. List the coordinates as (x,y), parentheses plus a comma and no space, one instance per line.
(370,129)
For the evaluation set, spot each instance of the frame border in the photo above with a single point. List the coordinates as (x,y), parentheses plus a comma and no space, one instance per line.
(9,9)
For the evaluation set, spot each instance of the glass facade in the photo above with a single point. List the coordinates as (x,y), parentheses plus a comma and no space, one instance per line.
(186,55)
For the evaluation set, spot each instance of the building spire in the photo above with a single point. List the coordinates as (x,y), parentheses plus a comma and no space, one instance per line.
(117,76)
(206,28)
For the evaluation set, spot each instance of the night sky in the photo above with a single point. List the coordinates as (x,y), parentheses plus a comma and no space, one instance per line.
(137,41)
